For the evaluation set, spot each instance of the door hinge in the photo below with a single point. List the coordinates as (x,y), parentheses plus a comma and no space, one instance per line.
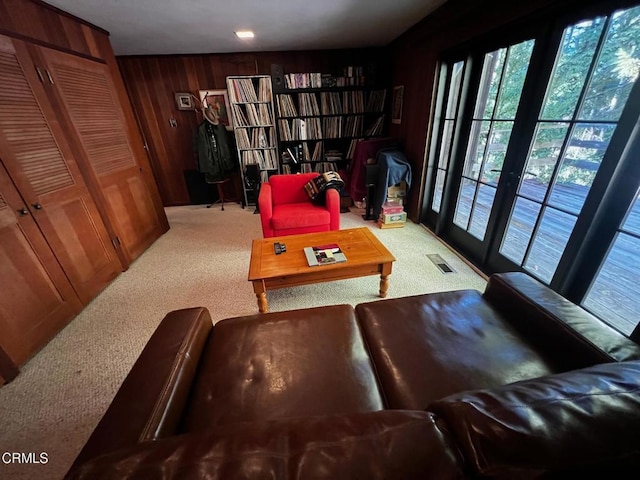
(116,242)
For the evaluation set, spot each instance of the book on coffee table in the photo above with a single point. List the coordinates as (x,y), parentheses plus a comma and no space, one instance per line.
(324,255)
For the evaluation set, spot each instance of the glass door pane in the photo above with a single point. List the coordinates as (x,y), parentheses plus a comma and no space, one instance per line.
(592,77)
(449,125)
(614,296)
(498,97)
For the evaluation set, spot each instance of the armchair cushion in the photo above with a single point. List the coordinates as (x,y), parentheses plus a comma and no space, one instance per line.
(287,189)
(299,215)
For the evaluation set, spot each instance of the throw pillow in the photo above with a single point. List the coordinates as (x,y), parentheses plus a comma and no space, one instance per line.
(316,187)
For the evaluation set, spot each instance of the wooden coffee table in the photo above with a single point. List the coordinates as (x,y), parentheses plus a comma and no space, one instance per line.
(365,256)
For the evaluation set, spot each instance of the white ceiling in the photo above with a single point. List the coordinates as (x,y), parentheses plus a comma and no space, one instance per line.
(148,27)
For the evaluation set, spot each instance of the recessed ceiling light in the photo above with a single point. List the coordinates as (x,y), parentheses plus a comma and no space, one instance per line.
(244,34)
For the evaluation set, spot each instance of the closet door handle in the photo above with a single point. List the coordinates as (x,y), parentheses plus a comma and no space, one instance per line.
(23,211)
(37,206)
(40,76)
(49,76)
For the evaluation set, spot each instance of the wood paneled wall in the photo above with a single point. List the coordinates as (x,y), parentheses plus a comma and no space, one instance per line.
(42,23)
(153,80)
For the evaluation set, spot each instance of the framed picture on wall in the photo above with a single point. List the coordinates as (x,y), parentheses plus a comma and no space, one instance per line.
(215,107)
(184,101)
(396,104)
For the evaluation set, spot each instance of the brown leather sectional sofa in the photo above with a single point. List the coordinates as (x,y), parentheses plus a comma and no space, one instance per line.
(516,382)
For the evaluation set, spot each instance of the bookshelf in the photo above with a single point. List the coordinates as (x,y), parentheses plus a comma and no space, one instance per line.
(321,118)
(251,99)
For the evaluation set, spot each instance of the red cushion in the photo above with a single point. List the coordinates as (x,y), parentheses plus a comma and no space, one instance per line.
(296,215)
(290,188)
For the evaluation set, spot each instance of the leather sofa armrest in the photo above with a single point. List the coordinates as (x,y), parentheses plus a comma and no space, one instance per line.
(559,326)
(583,420)
(332,202)
(382,444)
(265,205)
(151,400)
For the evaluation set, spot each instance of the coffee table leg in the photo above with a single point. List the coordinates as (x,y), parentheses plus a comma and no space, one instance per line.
(384,279)
(261,295)
(384,285)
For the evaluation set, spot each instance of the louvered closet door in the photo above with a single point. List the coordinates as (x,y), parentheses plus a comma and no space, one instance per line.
(38,159)
(92,104)
(36,298)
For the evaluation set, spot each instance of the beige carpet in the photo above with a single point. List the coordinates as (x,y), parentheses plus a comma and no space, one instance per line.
(61,394)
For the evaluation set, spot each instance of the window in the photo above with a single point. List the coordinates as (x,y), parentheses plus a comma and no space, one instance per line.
(614,295)
(537,166)
(449,125)
(498,97)
(594,71)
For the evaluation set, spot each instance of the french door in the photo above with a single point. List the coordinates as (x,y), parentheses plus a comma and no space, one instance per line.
(541,130)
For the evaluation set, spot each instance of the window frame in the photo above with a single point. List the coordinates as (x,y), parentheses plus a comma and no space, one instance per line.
(614,187)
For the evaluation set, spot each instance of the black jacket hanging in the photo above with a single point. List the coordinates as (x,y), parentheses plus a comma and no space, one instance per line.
(215,160)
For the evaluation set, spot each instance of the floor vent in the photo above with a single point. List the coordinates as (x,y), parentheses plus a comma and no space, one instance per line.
(439,262)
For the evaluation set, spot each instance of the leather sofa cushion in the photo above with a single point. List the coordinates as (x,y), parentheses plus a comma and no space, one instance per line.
(386,444)
(429,346)
(555,324)
(299,215)
(286,364)
(585,420)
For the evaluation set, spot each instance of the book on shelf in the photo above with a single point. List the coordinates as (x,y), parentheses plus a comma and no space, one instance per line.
(324,255)
(291,155)
(285,131)
(264,89)
(308,104)
(376,127)
(328,80)
(324,167)
(375,102)
(265,159)
(332,127)
(303,128)
(240,119)
(352,147)
(286,107)
(330,102)
(303,80)
(242,91)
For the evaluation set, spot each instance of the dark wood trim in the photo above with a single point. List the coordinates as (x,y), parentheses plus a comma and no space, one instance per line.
(42,43)
(8,369)
(42,4)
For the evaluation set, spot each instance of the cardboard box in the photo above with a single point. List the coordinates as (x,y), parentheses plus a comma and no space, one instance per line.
(391,207)
(397,191)
(393,218)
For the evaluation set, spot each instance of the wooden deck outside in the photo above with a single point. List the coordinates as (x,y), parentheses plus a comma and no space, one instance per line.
(615,296)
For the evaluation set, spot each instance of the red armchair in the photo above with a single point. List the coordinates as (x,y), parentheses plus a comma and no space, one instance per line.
(285,208)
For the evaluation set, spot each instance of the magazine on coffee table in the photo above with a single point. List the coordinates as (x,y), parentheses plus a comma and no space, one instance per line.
(324,255)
